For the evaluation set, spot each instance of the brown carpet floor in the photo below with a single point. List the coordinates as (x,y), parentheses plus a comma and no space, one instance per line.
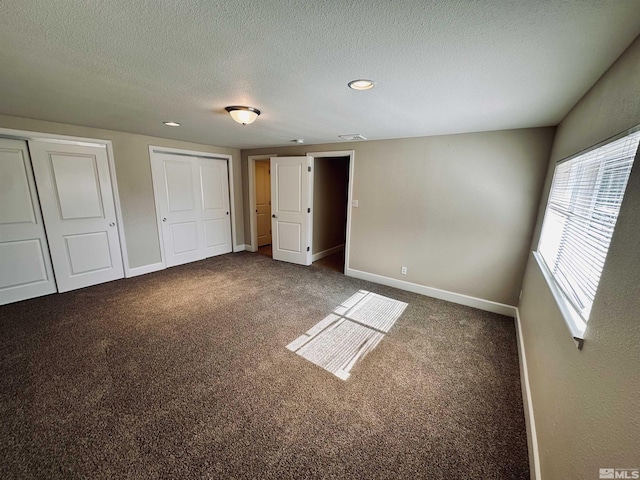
(184,374)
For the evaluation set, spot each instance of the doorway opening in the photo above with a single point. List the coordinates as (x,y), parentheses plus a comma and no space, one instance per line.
(262,176)
(254,163)
(319,185)
(330,207)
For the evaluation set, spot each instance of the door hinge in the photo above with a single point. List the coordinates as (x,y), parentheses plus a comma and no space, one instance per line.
(308,169)
(308,210)
(308,248)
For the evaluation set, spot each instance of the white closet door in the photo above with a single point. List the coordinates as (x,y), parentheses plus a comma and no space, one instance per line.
(214,186)
(192,200)
(290,220)
(25,265)
(178,201)
(76,196)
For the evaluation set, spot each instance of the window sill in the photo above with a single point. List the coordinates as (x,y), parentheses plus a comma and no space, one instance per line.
(574,323)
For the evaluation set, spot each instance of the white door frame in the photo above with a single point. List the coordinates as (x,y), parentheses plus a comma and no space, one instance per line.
(253,228)
(27,136)
(153,149)
(352,160)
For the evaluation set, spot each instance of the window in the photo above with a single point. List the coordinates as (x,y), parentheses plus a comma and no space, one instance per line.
(581,214)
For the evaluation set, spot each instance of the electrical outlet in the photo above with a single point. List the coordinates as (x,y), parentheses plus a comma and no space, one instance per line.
(403,271)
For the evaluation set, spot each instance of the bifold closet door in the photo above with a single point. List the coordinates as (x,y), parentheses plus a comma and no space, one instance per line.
(192,201)
(74,186)
(25,265)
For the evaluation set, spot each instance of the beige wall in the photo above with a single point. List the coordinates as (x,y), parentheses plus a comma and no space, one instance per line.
(587,403)
(457,210)
(330,192)
(133,172)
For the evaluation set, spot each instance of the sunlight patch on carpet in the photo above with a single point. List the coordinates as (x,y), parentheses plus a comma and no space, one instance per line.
(345,336)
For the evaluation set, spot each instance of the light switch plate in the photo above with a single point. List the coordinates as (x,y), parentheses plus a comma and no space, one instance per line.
(354,203)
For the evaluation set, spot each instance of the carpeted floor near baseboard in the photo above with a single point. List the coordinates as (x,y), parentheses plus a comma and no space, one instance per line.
(184,374)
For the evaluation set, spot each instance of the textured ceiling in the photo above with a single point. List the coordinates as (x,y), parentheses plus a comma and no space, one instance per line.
(441,66)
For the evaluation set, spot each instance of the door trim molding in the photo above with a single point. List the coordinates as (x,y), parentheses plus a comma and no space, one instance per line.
(28,135)
(153,149)
(352,162)
(253,228)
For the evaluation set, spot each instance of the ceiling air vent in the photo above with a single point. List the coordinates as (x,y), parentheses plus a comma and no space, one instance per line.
(353,137)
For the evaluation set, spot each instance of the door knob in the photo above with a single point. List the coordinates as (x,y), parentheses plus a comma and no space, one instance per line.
(112,224)
(274,216)
(227,213)
(164,219)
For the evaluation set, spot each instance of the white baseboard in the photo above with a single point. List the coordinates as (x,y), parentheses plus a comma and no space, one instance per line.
(240,248)
(134,272)
(479,303)
(327,252)
(532,438)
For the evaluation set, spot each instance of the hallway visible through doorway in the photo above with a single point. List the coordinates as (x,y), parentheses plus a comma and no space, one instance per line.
(333,262)
(330,198)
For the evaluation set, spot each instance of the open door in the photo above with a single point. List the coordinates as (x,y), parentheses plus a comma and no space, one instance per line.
(290,219)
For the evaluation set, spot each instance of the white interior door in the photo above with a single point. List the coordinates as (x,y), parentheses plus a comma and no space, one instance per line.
(25,264)
(263,202)
(192,199)
(76,197)
(290,219)
(175,184)
(214,186)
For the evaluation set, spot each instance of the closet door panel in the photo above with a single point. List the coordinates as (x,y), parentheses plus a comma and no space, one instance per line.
(25,264)
(76,193)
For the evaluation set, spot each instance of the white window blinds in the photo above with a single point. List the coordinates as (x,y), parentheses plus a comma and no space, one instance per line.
(581,214)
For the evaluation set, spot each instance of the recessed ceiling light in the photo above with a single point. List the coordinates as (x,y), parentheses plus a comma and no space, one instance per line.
(298,140)
(171,124)
(361,84)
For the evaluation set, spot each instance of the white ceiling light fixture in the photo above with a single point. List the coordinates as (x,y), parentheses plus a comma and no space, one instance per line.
(171,124)
(243,115)
(361,84)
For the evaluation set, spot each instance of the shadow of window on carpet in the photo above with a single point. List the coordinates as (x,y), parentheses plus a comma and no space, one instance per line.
(345,336)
